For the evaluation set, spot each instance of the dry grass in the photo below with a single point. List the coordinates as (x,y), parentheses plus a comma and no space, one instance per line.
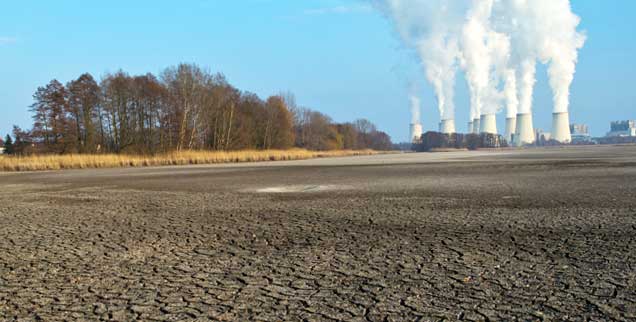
(83,161)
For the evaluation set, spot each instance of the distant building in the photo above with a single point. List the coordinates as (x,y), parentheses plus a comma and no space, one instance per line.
(541,135)
(580,133)
(622,129)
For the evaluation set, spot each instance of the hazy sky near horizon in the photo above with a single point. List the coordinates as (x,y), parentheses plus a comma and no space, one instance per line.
(339,57)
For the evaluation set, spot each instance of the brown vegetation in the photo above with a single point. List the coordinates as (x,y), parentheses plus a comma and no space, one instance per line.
(185,108)
(82,161)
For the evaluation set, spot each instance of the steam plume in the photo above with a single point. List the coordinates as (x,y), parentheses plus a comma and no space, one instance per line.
(544,30)
(485,54)
(559,46)
(496,42)
(432,28)
(415,109)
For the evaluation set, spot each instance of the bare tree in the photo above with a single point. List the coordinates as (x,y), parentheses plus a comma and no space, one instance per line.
(83,113)
(186,108)
(50,125)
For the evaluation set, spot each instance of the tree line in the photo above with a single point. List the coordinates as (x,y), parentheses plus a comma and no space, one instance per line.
(184,108)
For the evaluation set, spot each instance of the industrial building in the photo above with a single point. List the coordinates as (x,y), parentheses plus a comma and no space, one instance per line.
(622,129)
(580,133)
(542,135)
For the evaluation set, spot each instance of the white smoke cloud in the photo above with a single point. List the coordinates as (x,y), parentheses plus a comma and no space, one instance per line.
(7,40)
(510,92)
(545,31)
(432,28)
(485,56)
(415,109)
(496,42)
(559,46)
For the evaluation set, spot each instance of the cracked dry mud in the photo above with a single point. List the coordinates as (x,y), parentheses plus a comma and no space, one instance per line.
(531,235)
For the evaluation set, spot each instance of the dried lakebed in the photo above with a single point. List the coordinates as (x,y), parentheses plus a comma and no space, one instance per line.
(546,234)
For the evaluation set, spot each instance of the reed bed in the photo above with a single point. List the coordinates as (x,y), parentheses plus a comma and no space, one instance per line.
(85,161)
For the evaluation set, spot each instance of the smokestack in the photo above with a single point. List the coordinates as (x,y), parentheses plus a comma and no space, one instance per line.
(524,132)
(447,126)
(416,132)
(511,126)
(488,124)
(470,127)
(561,127)
(476,123)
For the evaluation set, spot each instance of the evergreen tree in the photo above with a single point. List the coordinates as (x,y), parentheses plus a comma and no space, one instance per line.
(8,145)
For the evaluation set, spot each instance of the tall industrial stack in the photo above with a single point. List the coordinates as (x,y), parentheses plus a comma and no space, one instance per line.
(416,132)
(488,124)
(524,132)
(561,127)
(511,126)
(447,126)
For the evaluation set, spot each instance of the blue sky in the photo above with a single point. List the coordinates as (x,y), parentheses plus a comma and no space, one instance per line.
(338,56)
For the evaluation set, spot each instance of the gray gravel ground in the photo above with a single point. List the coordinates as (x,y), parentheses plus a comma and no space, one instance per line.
(545,234)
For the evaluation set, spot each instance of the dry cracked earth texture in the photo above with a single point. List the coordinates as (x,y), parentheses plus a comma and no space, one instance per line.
(518,236)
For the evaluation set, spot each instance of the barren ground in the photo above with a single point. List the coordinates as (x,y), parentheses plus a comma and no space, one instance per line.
(546,234)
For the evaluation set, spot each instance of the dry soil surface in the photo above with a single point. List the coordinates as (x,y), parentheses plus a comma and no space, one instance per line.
(544,234)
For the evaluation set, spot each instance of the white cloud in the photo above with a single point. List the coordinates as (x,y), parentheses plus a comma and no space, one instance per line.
(7,40)
(343,9)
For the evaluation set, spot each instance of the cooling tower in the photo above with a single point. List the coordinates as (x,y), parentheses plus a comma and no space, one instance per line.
(476,126)
(488,124)
(470,127)
(511,126)
(447,126)
(524,132)
(561,127)
(416,132)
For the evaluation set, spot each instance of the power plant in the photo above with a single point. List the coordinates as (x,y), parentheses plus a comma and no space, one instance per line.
(497,45)
(520,131)
(622,129)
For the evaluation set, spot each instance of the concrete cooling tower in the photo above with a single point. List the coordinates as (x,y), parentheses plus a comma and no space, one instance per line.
(416,132)
(511,126)
(488,124)
(447,126)
(470,127)
(476,126)
(524,132)
(561,127)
